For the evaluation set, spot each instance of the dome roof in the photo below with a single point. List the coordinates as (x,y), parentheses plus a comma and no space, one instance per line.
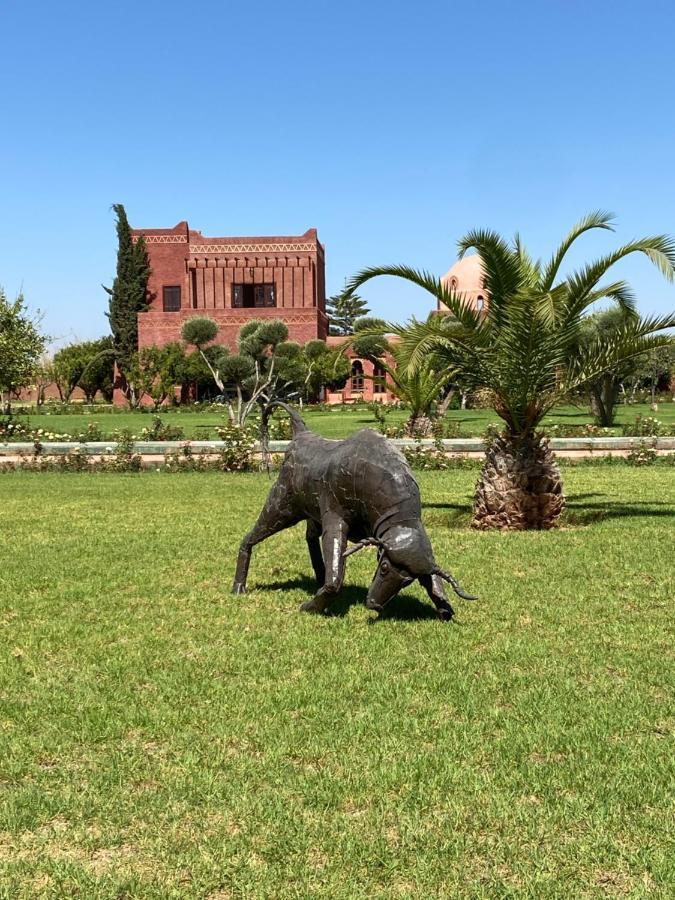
(467,274)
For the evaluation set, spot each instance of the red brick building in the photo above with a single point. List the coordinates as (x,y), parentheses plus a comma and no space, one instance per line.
(232,280)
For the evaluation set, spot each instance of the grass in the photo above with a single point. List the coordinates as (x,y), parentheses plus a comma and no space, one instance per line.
(162,738)
(335,422)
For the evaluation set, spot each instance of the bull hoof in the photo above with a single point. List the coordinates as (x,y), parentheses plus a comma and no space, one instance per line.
(445,615)
(310,606)
(238,588)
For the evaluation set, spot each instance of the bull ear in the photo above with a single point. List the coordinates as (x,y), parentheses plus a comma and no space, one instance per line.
(454,584)
(366,542)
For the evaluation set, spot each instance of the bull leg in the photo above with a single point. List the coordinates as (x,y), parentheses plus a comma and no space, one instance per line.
(334,543)
(276,515)
(314,547)
(433,585)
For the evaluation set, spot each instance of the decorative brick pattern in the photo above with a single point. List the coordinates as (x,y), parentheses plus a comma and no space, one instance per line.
(252,248)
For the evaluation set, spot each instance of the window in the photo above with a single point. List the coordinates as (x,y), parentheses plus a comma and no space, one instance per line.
(379,379)
(357,376)
(480,304)
(253,296)
(171,298)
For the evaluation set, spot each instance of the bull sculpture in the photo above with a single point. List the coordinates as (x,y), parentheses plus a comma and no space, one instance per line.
(360,490)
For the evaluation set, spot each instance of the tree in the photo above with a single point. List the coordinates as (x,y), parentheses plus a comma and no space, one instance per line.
(42,378)
(370,323)
(325,367)
(343,310)
(21,346)
(128,296)
(67,366)
(98,372)
(525,350)
(249,377)
(654,368)
(603,391)
(418,389)
(155,372)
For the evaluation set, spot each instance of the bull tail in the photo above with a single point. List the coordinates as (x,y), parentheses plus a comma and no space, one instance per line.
(297,424)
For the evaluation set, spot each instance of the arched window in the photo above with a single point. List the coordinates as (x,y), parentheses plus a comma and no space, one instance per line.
(453,284)
(357,376)
(480,303)
(379,379)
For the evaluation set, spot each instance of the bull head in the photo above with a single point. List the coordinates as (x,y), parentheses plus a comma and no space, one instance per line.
(405,554)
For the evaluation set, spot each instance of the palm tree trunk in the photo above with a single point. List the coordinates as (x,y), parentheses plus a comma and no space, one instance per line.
(520,487)
(418,425)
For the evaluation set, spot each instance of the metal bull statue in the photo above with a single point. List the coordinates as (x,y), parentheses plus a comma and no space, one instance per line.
(360,490)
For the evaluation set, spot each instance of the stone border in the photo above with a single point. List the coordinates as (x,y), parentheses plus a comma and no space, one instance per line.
(468,447)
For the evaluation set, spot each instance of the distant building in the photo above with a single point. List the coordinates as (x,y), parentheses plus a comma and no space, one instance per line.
(467,278)
(367,380)
(232,280)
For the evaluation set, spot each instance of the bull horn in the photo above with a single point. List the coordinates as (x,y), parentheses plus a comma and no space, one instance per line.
(366,542)
(454,584)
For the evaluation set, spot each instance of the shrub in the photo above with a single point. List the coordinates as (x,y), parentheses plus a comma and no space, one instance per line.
(91,433)
(160,431)
(12,430)
(124,458)
(586,430)
(646,426)
(642,456)
(423,458)
(237,454)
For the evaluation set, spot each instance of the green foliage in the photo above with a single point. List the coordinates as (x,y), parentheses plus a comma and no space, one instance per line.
(329,369)
(369,346)
(237,454)
(526,347)
(314,349)
(162,431)
(154,371)
(642,456)
(369,323)
(98,371)
(66,367)
(237,368)
(647,426)
(21,345)
(260,342)
(86,364)
(128,294)
(199,331)
(343,311)
(603,391)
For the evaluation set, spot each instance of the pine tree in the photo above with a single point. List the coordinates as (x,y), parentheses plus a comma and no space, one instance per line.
(128,295)
(343,310)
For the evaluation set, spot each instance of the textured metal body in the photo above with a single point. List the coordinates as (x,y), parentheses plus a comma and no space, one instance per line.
(360,490)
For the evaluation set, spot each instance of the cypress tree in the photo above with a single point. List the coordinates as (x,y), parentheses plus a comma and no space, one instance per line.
(128,295)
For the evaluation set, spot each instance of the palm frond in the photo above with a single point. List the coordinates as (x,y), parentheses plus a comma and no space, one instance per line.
(597,219)
(660,249)
(459,306)
(502,269)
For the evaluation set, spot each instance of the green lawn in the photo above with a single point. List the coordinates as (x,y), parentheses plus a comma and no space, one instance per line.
(161,738)
(333,422)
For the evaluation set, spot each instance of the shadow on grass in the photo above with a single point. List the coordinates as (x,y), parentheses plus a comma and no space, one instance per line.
(580,512)
(404,608)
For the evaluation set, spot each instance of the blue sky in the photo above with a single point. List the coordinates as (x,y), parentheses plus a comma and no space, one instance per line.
(391,127)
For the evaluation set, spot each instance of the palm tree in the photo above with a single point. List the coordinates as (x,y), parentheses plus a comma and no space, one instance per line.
(419,389)
(525,350)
